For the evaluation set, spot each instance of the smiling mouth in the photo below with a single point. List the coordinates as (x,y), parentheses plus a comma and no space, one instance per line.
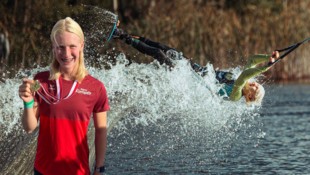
(65,60)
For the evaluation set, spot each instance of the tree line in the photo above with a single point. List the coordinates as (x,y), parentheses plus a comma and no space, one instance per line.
(222,32)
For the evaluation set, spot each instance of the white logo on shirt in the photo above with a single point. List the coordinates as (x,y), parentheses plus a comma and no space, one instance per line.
(83,91)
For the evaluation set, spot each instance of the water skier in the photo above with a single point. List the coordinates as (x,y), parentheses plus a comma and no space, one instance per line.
(234,88)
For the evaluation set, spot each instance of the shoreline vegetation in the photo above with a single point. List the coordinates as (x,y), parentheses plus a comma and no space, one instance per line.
(222,32)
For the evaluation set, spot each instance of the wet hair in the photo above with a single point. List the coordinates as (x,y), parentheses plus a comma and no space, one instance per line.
(67,25)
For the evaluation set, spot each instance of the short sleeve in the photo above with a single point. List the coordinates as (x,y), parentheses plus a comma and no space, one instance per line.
(102,103)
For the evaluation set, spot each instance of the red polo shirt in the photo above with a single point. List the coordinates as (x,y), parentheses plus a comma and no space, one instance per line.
(62,142)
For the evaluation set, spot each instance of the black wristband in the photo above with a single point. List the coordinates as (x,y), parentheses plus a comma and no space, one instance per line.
(100,169)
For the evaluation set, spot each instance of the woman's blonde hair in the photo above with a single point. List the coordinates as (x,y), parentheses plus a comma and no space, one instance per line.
(67,25)
(260,93)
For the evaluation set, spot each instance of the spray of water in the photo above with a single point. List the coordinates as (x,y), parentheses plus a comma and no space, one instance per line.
(98,25)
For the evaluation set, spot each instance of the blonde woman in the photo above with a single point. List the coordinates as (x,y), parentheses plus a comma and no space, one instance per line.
(244,86)
(63,100)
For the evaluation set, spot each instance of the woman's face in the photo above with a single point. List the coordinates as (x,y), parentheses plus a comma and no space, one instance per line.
(67,47)
(250,91)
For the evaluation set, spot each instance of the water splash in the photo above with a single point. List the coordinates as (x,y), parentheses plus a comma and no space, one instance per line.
(101,27)
(158,93)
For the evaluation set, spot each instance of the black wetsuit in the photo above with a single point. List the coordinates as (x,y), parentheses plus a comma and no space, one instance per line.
(159,52)
(154,49)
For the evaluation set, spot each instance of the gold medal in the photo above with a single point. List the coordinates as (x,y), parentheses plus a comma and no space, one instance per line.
(35,86)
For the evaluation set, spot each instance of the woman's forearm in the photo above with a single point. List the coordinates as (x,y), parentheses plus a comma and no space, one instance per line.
(100,146)
(29,119)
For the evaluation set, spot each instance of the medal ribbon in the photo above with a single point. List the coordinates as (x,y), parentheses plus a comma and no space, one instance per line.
(50,99)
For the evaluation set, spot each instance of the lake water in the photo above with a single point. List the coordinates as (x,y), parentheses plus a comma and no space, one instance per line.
(171,122)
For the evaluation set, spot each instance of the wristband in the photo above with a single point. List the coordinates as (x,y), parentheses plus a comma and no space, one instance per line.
(29,104)
(100,169)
